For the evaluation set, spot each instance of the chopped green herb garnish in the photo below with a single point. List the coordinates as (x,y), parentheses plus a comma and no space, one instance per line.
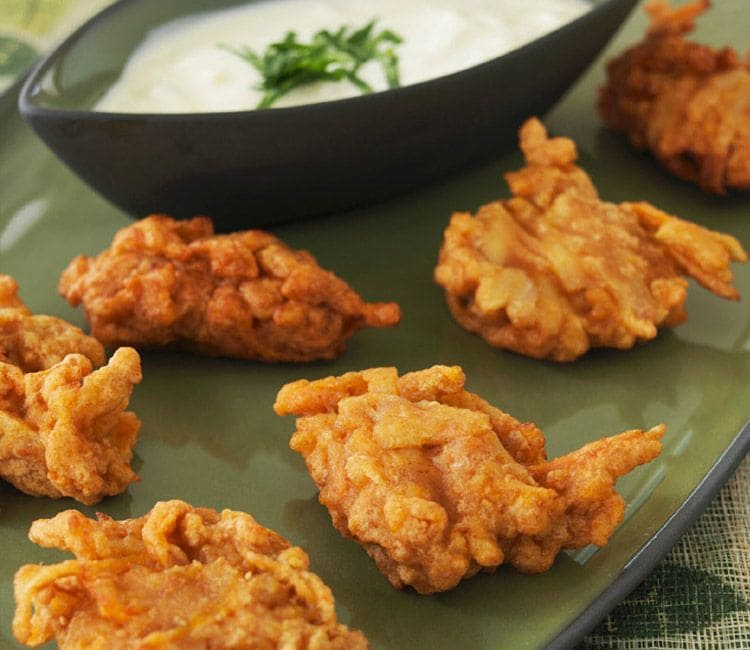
(330,56)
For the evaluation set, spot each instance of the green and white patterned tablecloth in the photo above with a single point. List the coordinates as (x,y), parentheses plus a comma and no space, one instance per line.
(698,597)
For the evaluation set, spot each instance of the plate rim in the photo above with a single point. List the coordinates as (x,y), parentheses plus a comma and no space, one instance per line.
(658,545)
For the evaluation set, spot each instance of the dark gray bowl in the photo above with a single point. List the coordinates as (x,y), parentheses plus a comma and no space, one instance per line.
(254,167)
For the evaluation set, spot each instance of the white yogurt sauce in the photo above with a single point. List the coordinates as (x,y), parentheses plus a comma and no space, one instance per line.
(181,68)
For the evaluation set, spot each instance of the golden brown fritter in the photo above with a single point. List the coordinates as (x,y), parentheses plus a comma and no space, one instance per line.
(64,432)
(555,270)
(178,577)
(689,104)
(38,342)
(167,282)
(437,484)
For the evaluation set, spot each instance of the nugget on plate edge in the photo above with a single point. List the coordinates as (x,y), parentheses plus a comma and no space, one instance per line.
(177,577)
(64,431)
(34,342)
(687,103)
(555,270)
(437,484)
(165,282)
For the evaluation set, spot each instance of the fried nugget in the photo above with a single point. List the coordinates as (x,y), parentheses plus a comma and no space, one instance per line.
(437,484)
(38,342)
(689,104)
(174,283)
(177,577)
(555,270)
(64,432)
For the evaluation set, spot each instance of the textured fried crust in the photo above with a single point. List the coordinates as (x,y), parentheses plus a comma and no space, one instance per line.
(167,282)
(555,270)
(437,484)
(689,104)
(64,432)
(38,342)
(177,577)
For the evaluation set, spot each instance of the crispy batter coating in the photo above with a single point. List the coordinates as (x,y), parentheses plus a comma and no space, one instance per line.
(177,577)
(689,104)
(167,282)
(555,270)
(38,342)
(437,484)
(64,432)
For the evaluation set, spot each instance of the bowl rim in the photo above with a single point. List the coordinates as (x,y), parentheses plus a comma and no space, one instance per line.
(28,106)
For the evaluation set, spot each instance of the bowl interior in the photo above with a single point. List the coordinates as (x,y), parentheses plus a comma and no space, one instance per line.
(92,59)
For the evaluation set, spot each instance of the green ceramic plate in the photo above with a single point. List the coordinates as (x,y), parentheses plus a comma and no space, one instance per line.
(209,435)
